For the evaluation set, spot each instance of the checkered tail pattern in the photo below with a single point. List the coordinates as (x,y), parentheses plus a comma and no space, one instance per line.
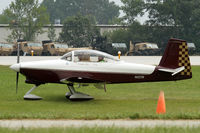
(184,59)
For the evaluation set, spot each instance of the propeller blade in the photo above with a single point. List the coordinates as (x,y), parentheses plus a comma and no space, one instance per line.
(17,79)
(18,53)
(18,60)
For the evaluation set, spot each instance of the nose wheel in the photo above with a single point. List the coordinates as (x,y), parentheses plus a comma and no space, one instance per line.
(73,95)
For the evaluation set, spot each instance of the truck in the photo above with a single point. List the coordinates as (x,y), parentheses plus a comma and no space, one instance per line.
(5,49)
(191,48)
(61,48)
(113,48)
(81,48)
(36,48)
(55,49)
(143,48)
(23,46)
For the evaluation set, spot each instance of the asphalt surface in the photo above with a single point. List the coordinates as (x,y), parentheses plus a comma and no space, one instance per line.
(97,123)
(153,60)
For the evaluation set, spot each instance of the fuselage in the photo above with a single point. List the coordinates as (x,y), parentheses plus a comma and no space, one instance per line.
(57,71)
(85,67)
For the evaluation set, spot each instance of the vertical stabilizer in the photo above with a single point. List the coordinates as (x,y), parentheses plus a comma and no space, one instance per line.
(176,56)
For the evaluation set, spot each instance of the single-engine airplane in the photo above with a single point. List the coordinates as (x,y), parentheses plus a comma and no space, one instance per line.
(99,68)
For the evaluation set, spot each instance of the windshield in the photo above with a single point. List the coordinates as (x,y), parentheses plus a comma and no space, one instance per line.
(151,45)
(191,45)
(67,56)
(34,45)
(147,45)
(6,45)
(90,56)
(119,45)
(61,45)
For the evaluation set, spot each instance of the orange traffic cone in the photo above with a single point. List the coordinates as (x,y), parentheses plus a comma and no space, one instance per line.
(161,104)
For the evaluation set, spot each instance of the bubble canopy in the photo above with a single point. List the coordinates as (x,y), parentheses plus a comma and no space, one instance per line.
(87,56)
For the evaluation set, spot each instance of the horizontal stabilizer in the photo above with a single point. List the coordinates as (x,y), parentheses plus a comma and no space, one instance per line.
(173,71)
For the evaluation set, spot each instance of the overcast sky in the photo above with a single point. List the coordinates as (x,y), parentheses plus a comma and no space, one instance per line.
(5,3)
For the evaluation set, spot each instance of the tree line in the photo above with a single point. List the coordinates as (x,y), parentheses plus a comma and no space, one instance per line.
(166,19)
(102,10)
(26,18)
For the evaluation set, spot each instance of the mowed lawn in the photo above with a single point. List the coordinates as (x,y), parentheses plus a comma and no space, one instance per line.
(121,101)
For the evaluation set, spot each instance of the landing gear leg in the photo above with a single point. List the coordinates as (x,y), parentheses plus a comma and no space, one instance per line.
(29,96)
(76,96)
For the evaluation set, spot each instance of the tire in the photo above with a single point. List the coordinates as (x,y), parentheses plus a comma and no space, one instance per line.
(21,53)
(42,53)
(14,53)
(48,53)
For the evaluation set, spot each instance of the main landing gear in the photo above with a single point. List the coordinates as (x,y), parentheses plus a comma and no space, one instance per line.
(29,96)
(73,95)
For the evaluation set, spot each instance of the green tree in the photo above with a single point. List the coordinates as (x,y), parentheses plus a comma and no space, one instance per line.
(118,21)
(167,18)
(135,32)
(51,33)
(133,9)
(78,31)
(102,10)
(28,18)
(121,35)
(4,19)
(181,16)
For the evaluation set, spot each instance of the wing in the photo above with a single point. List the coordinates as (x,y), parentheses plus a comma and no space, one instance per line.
(97,83)
(80,80)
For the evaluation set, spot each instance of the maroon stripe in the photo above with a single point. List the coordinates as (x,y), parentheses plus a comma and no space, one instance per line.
(54,76)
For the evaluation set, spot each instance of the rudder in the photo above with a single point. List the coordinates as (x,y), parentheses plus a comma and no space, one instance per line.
(175,56)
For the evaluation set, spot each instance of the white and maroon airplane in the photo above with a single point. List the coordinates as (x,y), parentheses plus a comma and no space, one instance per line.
(99,68)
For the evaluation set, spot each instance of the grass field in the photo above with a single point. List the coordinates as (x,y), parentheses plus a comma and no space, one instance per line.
(103,130)
(122,101)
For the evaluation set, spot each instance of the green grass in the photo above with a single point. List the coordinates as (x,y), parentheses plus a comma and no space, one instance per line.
(121,101)
(103,130)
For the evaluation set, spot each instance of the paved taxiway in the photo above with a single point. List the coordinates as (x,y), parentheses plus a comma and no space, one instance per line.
(97,123)
(154,60)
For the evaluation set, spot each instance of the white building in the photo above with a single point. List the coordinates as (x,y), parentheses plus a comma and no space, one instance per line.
(5,31)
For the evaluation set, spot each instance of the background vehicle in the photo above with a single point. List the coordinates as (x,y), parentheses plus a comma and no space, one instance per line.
(36,48)
(113,48)
(61,49)
(81,48)
(49,48)
(143,48)
(6,49)
(22,46)
(191,48)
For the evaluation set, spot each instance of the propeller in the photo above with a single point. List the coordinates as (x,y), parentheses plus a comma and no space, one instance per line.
(17,78)
(18,60)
